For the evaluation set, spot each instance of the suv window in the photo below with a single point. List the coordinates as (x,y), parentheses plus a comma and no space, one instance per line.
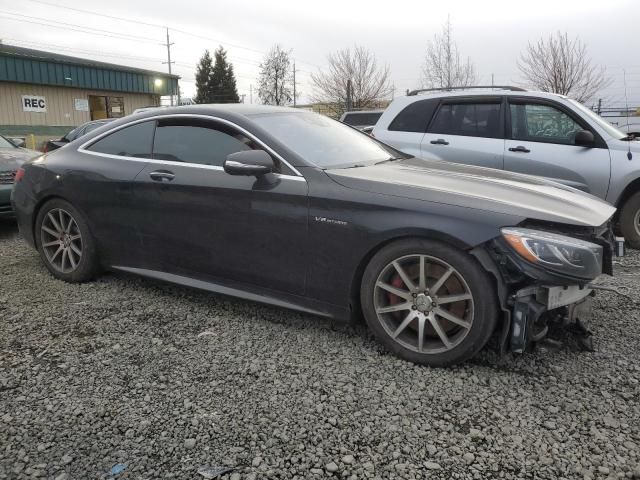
(414,117)
(199,141)
(133,141)
(468,119)
(542,123)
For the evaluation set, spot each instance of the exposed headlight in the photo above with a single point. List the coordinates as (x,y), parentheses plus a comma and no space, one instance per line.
(560,253)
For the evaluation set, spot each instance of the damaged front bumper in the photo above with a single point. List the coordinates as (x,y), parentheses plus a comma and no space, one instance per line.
(531,297)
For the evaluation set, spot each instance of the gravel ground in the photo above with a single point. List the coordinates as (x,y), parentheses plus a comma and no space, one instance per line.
(115,374)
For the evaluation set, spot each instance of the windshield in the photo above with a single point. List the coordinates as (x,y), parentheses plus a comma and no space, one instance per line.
(322,141)
(606,126)
(4,143)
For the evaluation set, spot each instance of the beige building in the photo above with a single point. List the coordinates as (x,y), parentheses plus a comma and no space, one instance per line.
(44,95)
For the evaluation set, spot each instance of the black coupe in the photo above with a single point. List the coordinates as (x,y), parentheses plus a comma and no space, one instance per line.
(294,209)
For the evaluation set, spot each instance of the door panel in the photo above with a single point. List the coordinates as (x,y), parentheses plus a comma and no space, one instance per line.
(542,144)
(206,222)
(198,220)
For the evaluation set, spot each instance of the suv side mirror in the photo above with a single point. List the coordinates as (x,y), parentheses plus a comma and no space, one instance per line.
(249,162)
(18,142)
(584,138)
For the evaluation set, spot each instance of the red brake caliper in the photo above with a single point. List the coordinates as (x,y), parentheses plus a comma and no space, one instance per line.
(397,282)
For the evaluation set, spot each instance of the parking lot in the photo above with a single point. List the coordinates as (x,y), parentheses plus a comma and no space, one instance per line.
(158,381)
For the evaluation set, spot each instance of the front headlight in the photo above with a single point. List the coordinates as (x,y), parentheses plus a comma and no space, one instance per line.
(560,253)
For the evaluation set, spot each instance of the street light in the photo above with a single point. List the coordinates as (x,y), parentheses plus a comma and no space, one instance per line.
(158,82)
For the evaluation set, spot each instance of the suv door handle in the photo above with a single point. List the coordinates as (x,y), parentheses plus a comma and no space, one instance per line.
(440,141)
(162,176)
(519,148)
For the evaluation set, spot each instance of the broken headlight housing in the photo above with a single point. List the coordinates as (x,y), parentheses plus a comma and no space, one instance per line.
(559,253)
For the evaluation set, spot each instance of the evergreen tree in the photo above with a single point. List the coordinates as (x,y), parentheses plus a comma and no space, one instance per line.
(203,77)
(222,82)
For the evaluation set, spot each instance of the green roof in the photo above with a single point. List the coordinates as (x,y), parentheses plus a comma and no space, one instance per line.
(25,65)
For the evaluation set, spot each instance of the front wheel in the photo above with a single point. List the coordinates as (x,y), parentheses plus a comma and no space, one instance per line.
(428,303)
(65,243)
(630,220)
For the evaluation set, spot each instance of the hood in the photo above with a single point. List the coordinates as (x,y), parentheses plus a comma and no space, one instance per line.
(12,158)
(479,188)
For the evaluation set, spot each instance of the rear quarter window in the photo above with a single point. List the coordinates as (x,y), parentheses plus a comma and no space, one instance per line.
(414,117)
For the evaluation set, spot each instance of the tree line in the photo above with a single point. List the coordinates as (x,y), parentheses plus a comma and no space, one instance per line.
(353,78)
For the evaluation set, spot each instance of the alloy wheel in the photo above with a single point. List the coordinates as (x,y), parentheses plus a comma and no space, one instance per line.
(61,240)
(424,303)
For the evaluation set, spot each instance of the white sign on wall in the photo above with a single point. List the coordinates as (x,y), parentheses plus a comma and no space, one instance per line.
(32,103)
(81,104)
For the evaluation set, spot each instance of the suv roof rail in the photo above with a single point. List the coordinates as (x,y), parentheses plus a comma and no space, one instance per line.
(447,89)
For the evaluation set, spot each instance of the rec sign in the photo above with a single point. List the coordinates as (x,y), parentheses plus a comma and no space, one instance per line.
(31,103)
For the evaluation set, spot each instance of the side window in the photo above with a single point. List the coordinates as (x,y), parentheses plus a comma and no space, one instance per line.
(414,117)
(542,123)
(133,141)
(199,141)
(469,119)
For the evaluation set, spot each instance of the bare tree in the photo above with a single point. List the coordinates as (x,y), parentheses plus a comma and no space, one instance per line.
(357,69)
(275,83)
(560,65)
(443,67)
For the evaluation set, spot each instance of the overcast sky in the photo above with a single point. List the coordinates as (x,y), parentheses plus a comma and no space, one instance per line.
(491,32)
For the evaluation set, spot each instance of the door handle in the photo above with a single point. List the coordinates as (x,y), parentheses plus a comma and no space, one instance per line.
(519,148)
(162,176)
(439,141)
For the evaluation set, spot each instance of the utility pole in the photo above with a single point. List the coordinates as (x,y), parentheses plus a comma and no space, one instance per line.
(492,80)
(169,62)
(251,94)
(294,83)
(349,100)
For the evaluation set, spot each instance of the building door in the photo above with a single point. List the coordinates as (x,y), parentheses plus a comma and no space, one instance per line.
(98,107)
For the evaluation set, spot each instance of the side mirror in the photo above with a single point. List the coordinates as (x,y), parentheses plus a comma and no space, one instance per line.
(249,162)
(584,138)
(19,142)
(367,130)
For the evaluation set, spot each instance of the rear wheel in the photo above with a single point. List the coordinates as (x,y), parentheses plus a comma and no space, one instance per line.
(428,302)
(65,243)
(630,220)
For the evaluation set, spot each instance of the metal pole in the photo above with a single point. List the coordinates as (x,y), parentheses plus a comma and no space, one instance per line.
(169,63)
(294,83)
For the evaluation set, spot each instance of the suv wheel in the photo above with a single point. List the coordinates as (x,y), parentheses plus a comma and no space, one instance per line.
(630,221)
(428,303)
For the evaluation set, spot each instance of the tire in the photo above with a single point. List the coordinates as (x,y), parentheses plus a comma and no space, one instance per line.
(629,217)
(456,298)
(65,243)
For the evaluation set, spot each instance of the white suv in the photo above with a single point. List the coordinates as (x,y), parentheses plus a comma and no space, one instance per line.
(513,129)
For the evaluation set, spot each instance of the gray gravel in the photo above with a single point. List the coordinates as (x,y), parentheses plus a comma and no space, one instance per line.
(115,372)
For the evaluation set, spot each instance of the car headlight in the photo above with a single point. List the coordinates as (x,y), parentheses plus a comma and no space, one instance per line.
(560,253)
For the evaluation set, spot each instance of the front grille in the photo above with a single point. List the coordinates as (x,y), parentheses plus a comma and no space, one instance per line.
(7,178)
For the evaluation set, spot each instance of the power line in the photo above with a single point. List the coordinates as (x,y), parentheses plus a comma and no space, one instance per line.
(77,28)
(113,17)
(85,51)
